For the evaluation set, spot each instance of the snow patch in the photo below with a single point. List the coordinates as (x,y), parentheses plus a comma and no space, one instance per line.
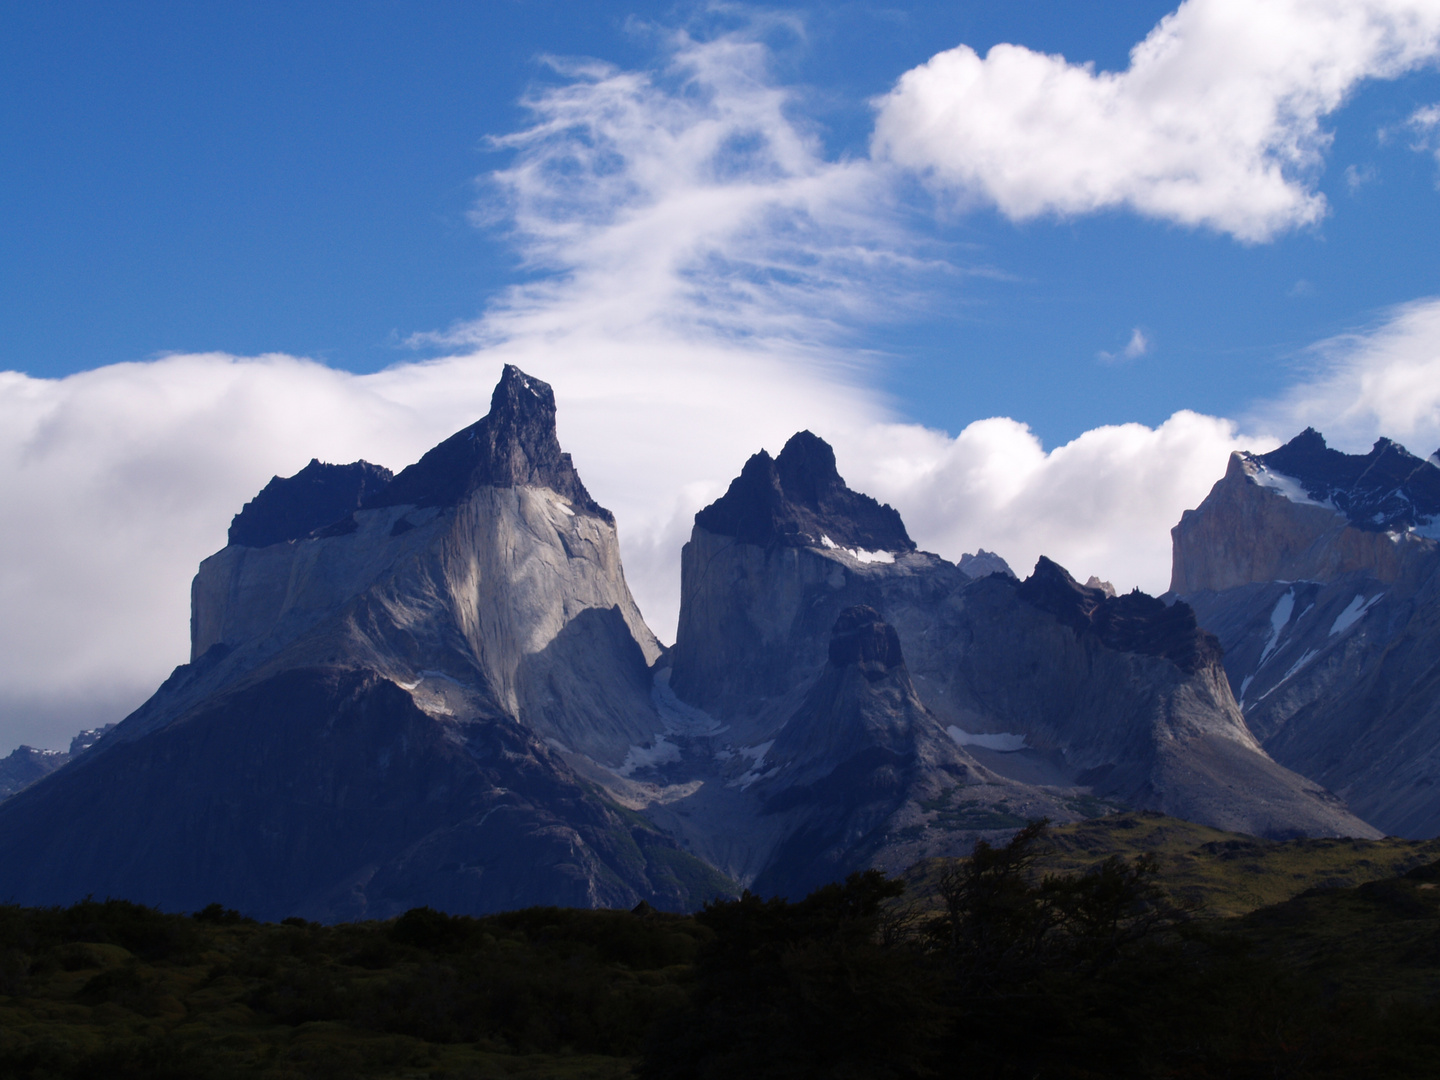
(1353,614)
(858,554)
(1279,619)
(870,556)
(1004,742)
(1287,486)
(663,752)
(757,754)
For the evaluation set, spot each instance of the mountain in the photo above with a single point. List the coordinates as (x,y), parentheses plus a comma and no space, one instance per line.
(1319,572)
(1064,689)
(25,764)
(434,688)
(377,706)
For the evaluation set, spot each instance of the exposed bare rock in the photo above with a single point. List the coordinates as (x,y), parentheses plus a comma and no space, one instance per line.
(799,499)
(1136,708)
(1329,615)
(1123,697)
(26,765)
(862,761)
(290,508)
(1260,523)
(983,563)
(376,712)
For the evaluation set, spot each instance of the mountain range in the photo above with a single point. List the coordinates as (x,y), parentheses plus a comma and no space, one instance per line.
(434,688)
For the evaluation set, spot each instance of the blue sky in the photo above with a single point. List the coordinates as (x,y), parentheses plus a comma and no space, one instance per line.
(1033,303)
(299,178)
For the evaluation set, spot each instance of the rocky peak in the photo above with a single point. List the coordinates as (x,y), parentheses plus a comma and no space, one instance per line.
(1388,489)
(799,499)
(1134,622)
(514,445)
(292,507)
(984,563)
(860,637)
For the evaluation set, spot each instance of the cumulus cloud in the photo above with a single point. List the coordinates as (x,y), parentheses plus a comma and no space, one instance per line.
(1216,122)
(1101,504)
(1380,380)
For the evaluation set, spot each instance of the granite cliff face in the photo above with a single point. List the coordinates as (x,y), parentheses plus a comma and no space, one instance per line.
(1307,512)
(434,688)
(378,708)
(1317,571)
(1087,693)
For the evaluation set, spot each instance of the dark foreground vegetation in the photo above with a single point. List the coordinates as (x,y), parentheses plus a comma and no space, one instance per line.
(989,967)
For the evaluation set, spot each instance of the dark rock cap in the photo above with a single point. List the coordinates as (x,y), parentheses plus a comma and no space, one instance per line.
(861,637)
(295,506)
(1388,488)
(513,446)
(1135,622)
(799,497)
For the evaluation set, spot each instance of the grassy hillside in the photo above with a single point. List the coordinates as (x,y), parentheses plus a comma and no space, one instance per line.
(1220,873)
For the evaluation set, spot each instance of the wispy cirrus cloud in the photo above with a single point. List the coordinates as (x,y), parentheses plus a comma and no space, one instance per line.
(1381,379)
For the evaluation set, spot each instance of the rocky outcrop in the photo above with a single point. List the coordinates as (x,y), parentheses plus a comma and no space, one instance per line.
(291,508)
(25,764)
(514,445)
(1336,514)
(799,500)
(1117,697)
(1134,623)
(1130,701)
(436,689)
(860,761)
(1317,571)
(377,712)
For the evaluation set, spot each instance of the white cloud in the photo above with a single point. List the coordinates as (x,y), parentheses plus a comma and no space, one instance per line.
(1424,123)
(1101,504)
(1382,380)
(1215,123)
(1357,177)
(1136,347)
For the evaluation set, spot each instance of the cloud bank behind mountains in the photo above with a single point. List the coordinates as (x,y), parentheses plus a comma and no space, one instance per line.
(701,268)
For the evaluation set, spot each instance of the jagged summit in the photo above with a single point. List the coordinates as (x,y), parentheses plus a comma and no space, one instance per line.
(1134,622)
(800,500)
(514,445)
(1388,489)
(289,508)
